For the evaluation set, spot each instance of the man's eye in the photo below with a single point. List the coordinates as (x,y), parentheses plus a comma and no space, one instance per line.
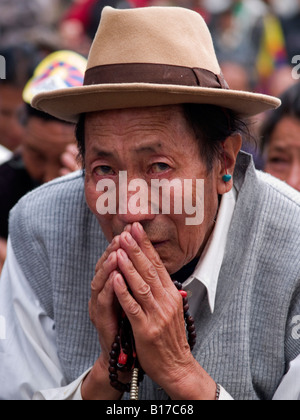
(160,167)
(104,170)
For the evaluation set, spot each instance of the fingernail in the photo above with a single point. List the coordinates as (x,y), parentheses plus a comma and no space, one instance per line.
(115,241)
(129,239)
(128,228)
(123,254)
(140,228)
(112,275)
(110,258)
(119,280)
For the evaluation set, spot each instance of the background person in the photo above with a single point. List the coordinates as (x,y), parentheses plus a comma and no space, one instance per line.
(20,64)
(281,139)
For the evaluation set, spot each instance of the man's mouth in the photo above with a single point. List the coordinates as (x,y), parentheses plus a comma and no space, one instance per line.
(158,244)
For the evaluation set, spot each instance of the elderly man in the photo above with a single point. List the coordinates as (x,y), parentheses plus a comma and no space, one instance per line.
(281,140)
(155,109)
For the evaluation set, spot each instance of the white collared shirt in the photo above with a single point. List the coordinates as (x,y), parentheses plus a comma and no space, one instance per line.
(205,277)
(27,334)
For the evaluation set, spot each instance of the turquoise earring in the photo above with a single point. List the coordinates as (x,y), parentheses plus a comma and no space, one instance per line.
(227,178)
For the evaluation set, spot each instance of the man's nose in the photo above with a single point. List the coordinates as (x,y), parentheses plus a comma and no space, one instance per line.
(134,203)
(132,215)
(128,219)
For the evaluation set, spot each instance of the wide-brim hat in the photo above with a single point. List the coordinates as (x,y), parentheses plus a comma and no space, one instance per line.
(151,57)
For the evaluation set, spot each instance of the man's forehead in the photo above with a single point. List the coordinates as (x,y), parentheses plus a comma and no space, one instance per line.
(144,125)
(145,130)
(164,113)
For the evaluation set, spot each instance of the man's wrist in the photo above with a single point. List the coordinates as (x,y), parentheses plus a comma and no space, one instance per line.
(192,384)
(96,385)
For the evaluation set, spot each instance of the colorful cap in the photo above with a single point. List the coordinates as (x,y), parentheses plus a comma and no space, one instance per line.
(60,70)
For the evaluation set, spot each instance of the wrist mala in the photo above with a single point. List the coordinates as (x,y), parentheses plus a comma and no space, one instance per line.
(123,355)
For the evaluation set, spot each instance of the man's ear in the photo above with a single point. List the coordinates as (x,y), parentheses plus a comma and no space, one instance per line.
(231,147)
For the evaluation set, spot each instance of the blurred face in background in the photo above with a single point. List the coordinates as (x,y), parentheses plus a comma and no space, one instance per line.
(11,104)
(283,153)
(44,144)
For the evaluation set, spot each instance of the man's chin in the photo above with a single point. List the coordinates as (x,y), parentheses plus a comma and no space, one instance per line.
(171,264)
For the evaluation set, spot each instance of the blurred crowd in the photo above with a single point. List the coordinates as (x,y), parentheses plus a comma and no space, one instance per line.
(257,43)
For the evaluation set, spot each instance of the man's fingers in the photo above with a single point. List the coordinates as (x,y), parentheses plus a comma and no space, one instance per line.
(130,306)
(141,246)
(144,287)
(104,299)
(113,246)
(146,246)
(133,261)
(102,275)
(105,266)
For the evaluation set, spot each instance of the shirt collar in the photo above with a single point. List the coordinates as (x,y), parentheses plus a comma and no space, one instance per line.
(208,269)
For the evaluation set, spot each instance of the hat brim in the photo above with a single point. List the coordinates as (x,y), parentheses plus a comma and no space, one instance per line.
(68,104)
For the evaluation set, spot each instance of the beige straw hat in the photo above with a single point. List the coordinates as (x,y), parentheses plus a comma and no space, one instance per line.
(150,57)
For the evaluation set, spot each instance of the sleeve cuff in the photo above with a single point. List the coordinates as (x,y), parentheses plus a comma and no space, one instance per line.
(70,392)
(224,396)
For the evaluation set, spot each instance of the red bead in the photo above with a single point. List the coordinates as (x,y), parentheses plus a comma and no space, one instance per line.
(183,293)
(123,359)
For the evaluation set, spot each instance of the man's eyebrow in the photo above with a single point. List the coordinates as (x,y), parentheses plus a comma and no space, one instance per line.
(149,148)
(102,153)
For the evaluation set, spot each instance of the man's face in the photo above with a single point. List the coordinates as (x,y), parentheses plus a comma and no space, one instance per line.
(43,145)
(11,130)
(150,144)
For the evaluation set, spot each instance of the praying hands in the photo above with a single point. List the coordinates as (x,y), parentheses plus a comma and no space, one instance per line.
(155,311)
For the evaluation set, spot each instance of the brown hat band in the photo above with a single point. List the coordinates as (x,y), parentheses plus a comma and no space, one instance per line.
(161,74)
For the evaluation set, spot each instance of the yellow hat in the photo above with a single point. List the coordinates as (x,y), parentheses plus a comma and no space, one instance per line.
(60,70)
